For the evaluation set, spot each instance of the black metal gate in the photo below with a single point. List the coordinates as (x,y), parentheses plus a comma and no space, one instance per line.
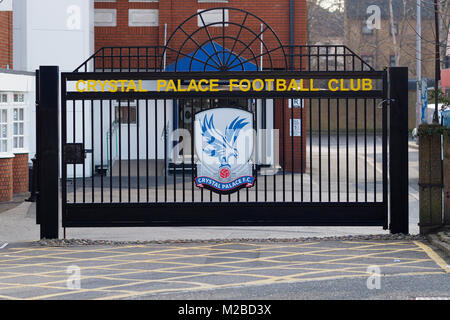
(321,155)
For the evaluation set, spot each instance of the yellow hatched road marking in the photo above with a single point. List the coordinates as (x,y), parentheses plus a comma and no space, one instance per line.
(262,282)
(434,256)
(226,264)
(169,256)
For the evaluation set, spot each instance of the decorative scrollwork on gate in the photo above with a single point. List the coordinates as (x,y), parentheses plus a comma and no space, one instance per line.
(224,39)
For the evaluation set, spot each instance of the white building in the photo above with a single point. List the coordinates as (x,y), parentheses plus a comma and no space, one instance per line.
(45,32)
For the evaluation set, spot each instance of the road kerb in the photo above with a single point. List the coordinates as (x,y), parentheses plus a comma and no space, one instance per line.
(439,244)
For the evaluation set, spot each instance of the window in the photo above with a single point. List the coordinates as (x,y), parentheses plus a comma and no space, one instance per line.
(3,130)
(18,120)
(123,113)
(18,128)
(3,122)
(105,17)
(213,17)
(143,17)
(19,97)
(12,121)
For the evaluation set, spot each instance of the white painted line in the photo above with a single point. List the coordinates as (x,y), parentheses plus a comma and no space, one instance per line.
(4,245)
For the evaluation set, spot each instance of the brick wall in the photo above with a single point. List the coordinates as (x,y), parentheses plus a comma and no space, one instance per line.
(274,13)
(6,179)
(20,173)
(6,39)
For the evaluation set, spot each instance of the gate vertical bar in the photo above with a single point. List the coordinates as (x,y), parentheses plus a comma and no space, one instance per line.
(398,149)
(48,141)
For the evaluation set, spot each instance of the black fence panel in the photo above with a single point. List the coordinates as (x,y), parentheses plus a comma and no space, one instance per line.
(319,158)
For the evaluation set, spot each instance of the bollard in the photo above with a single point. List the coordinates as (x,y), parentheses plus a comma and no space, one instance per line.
(430,178)
(446,164)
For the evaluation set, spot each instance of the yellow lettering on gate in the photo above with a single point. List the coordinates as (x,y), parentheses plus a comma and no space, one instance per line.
(161,84)
(367,85)
(202,89)
(245,89)
(91,85)
(311,82)
(293,85)
(213,85)
(102,84)
(171,86)
(131,86)
(193,86)
(343,88)
(113,86)
(260,87)
(233,84)
(269,83)
(179,87)
(302,88)
(122,83)
(336,81)
(281,85)
(352,84)
(77,85)
(140,87)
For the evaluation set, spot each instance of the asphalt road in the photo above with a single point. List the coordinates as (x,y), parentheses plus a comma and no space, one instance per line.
(283,270)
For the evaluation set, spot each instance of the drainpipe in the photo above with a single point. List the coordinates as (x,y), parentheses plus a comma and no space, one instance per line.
(437,71)
(291,33)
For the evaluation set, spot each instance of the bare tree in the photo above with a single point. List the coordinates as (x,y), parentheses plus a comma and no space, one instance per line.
(394,34)
(398,35)
(325,20)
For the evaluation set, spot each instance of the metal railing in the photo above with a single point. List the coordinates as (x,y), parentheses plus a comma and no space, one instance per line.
(151,59)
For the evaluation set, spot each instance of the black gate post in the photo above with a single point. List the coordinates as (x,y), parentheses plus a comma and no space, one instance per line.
(398,149)
(36,158)
(48,142)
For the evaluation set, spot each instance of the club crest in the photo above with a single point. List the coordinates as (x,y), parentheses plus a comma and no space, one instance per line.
(224,147)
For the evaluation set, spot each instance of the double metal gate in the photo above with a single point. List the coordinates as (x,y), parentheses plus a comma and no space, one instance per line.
(321,157)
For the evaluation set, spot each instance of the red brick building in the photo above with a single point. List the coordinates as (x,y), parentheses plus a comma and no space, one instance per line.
(6,40)
(146,23)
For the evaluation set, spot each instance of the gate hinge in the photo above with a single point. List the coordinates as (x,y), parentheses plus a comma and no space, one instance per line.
(74,153)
